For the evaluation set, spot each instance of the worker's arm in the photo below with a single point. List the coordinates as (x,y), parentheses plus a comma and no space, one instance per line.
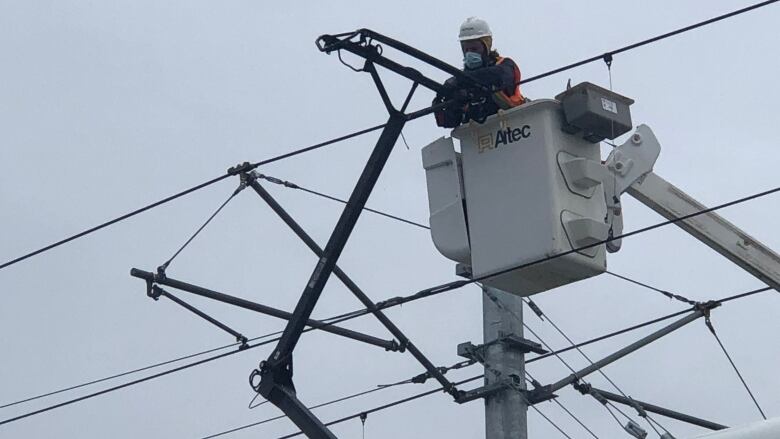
(500,76)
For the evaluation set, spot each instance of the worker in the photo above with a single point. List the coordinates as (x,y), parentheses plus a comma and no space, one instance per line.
(485,65)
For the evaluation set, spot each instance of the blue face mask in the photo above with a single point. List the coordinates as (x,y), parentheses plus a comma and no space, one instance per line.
(472,60)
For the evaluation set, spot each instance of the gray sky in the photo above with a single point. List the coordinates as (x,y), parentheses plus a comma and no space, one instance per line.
(106,106)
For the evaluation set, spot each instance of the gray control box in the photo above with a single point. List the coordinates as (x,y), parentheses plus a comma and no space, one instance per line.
(597,112)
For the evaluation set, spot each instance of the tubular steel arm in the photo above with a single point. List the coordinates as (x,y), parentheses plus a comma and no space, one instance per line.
(546,392)
(263,309)
(364,299)
(276,384)
(587,389)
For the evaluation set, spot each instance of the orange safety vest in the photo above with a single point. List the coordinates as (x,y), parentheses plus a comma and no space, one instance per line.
(505,101)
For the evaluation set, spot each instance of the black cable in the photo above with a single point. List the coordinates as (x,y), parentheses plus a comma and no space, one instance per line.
(185,192)
(213,215)
(114,221)
(560,404)
(330,321)
(388,405)
(648,41)
(343,398)
(708,322)
(746,294)
(650,287)
(367,130)
(536,409)
(317,146)
(348,316)
(291,185)
(130,372)
(600,371)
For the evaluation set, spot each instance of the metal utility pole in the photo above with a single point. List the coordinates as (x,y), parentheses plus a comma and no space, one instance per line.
(505,411)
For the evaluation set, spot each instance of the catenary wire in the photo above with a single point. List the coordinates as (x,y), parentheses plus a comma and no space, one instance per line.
(648,41)
(409,399)
(185,192)
(348,316)
(501,304)
(367,130)
(292,185)
(340,399)
(587,358)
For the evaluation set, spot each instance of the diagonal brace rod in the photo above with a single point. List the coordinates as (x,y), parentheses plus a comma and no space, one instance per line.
(586,389)
(157,292)
(541,393)
(350,284)
(263,309)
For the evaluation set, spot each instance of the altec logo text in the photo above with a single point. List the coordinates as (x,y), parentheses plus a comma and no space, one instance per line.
(504,136)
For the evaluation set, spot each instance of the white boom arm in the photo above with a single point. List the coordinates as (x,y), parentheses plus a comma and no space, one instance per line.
(709,228)
(631,165)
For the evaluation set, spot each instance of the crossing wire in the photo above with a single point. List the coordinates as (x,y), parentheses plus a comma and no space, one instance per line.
(291,185)
(367,130)
(348,316)
(532,380)
(501,305)
(600,371)
(337,400)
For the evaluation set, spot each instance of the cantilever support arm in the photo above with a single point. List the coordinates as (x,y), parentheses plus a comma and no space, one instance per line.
(710,228)
(545,392)
(586,389)
(263,309)
(156,292)
(350,284)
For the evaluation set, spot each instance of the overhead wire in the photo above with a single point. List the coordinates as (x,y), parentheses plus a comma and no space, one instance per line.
(600,371)
(349,316)
(416,379)
(374,128)
(531,380)
(633,46)
(291,185)
(497,300)
(229,173)
(445,287)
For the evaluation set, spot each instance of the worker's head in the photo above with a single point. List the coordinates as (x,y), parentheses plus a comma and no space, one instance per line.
(476,42)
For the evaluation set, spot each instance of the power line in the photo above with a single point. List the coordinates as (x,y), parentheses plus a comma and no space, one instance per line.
(416,379)
(330,321)
(230,172)
(610,54)
(349,316)
(367,130)
(600,371)
(532,380)
(291,185)
(650,287)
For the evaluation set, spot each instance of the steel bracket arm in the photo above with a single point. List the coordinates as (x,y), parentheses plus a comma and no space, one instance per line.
(362,42)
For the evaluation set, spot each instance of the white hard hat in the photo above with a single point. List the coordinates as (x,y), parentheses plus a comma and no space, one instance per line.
(474,28)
